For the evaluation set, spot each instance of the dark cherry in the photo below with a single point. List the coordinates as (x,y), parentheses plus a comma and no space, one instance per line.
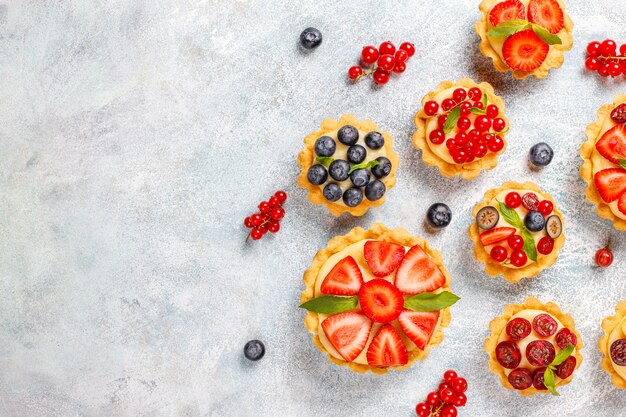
(518,328)
(545,325)
(508,354)
(619,114)
(538,378)
(540,353)
(618,352)
(565,369)
(521,378)
(565,337)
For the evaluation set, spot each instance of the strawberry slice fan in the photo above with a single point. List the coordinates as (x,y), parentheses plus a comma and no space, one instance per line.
(611,182)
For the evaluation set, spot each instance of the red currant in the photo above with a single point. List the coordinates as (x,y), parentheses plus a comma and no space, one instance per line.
(475,94)
(515,242)
(499,254)
(461,139)
(499,124)
(459,385)
(422,410)
(399,68)
(248,222)
(451,144)
(447,395)
(437,136)
(448,411)
(387,48)
(465,108)
(264,207)
(622,50)
(433,398)
(386,62)
(479,150)
(608,48)
(464,123)
(604,258)
(441,120)
(277,213)
(545,245)
(593,49)
(256,233)
(473,135)
(444,385)
(274,201)
(263,228)
(447,104)
(369,55)
(460,400)
(592,64)
(355,72)
(518,258)
(381,76)
(605,69)
(281,196)
(449,375)
(401,55)
(409,48)
(479,105)
(458,156)
(430,108)
(545,207)
(616,69)
(274,226)
(256,219)
(492,111)
(459,95)
(482,123)
(496,145)
(469,157)
(513,199)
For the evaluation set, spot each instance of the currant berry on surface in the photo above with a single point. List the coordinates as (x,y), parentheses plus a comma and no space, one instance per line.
(369,54)
(355,72)
(604,258)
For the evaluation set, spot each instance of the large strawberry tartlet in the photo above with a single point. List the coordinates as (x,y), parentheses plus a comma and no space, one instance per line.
(527,37)
(604,168)
(613,346)
(377,299)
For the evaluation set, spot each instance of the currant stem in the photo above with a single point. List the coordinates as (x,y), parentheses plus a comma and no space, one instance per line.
(365,74)
(268,218)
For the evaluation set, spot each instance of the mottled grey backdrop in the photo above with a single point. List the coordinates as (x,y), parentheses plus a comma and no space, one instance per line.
(137,135)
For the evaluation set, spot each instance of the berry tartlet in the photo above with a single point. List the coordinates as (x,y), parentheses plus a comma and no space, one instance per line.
(527,37)
(613,346)
(377,299)
(461,128)
(348,165)
(518,231)
(533,347)
(604,168)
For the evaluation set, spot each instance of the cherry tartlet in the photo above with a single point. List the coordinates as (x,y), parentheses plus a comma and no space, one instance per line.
(613,346)
(377,299)
(461,128)
(533,347)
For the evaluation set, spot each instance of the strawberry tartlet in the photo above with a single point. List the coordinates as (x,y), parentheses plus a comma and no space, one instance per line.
(613,346)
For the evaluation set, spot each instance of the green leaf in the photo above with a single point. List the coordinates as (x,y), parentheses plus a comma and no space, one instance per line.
(548,380)
(324,160)
(562,355)
(545,35)
(485,101)
(453,117)
(529,245)
(506,29)
(429,301)
(331,304)
(510,215)
(622,163)
(476,110)
(366,165)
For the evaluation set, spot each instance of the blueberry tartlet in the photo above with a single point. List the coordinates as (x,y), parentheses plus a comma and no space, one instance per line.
(533,347)
(613,346)
(461,128)
(517,231)
(348,165)
(604,168)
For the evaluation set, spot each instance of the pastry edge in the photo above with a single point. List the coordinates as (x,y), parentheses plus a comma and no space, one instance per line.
(608,325)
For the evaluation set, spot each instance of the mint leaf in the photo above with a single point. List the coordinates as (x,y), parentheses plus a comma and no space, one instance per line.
(453,117)
(476,110)
(622,163)
(562,355)
(331,304)
(506,29)
(510,215)
(429,301)
(485,101)
(545,35)
(324,160)
(548,380)
(366,165)
(529,245)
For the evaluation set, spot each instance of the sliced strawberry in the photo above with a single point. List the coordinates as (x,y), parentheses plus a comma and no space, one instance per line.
(505,11)
(621,204)
(496,235)
(382,257)
(387,348)
(546,13)
(344,279)
(380,300)
(419,326)
(525,51)
(348,333)
(612,145)
(611,183)
(418,273)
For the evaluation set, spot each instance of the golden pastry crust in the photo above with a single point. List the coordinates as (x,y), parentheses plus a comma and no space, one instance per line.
(555,56)
(608,325)
(498,325)
(586,171)
(307,157)
(511,274)
(378,231)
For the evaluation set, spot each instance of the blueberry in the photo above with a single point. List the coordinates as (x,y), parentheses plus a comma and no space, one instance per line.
(332,192)
(375,190)
(310,38)
(383,168)
(339,169)
(439,215)
(360,177)
(325,146)
(374,140)
(356,154)
(534,221)
(352,197)
(348,135)
(254,350)
(317,174)
(541,154)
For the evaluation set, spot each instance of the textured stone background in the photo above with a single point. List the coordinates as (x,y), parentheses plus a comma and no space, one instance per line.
(137,135)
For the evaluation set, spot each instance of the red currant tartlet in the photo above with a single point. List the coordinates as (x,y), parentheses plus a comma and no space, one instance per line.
(604,168)
(348,165)
(461,128)
(518,231)
(527,37)
(377,299)
(534,347)
(613,346)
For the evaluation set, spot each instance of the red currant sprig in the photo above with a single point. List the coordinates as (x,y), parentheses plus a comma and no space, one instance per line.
(268,218)
(603,57)
(444,401)
(382,61)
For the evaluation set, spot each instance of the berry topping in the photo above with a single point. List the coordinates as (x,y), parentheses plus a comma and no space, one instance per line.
(475,94)
(339,169)
(498,124)
(516,242)
(448,104)
(418,273)
(604,258)
(487,217)
(383,168)
(348,135)
(612,145)
(545,325)
(408,47)
(348,333)
(496,235)
(518,328)
(505,11)
(437,136)
(521,378)
(618,352)
(459,95)
(439,215)
(380,300)
(565,337)
(356,154)
(352,197)
(431,108)
(374,140)
(538,378)
(525,51)
(540,353)
(360,177)
(508,354)
(546,13)
(566,368)
(419,326)
(382,257)
(530,201)
(545,245)
(344,279)
(369,55)
(310,38)
(387,348)
(499,253)
(545,207)
(611,183)
(254,350)
(492,111)
(554,226)
(317,174)
(513,199)
(534,221)
(618,115)
(375,190)
(518,258)
(325,146)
